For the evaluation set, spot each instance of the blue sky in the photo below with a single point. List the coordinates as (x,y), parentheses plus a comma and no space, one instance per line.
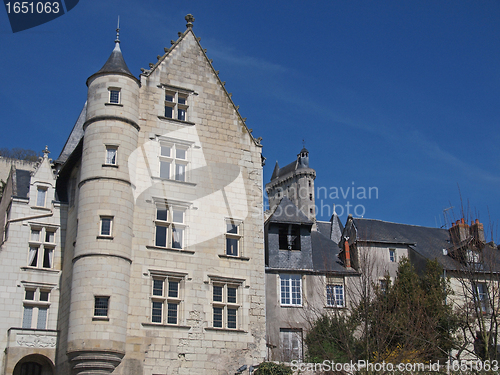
(395,95)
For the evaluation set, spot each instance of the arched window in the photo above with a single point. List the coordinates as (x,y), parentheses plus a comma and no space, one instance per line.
(31,368)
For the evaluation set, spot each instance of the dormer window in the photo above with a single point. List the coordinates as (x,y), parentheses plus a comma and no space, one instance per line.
(289,237)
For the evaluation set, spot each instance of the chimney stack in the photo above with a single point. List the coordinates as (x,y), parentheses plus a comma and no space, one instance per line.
(477,231)
(459,231)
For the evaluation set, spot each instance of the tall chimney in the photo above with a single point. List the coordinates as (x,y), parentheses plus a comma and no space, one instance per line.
(477,231)
(347,255)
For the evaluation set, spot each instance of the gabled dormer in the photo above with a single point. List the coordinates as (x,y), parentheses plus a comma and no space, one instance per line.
(288,238)
(42,184)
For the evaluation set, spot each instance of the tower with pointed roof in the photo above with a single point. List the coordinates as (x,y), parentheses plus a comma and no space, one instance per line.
(295,181)
(164,252)
(103,248)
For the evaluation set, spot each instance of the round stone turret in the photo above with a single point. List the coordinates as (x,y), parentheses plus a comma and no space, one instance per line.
(102,257)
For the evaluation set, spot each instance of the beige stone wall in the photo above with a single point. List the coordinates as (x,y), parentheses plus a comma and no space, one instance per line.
(6,164)
(17,275)
(224,178)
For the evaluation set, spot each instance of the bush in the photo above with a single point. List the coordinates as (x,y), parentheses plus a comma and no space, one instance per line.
(271,368)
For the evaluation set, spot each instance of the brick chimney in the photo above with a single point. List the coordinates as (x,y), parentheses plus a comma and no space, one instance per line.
(459,231)
(477,231)
(347,255)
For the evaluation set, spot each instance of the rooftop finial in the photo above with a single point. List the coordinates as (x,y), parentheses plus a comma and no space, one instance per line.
(189,19)
(118,31)
(46,152)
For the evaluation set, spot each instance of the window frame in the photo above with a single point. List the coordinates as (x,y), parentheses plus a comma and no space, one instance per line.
(238,237)
(96,308)
(176,105)
(228,309)
(165,301)
(174,161)
(287,334)
(40,249)
(170,226)
(112,161)
(289,286)
(112,90)
(36,305)
(392,256)
(40,189)
(482,297)
(331,295)
(102,219)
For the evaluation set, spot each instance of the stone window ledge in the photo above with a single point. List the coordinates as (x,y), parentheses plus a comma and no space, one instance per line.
(225,330)
(233,257)
(175,120)
(158,325)
(170,249)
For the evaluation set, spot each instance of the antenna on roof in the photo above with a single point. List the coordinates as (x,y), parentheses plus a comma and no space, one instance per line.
(118,31)
(445,214)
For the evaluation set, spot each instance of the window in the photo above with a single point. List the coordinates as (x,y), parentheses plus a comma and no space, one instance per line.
(165,299)
(225,305)
(392,255)
(335,295)
(176,105)
(111,155)
(31,368)
(233,238)
(106,226)
(291,290)
(41,196)
(383,284)
(289,237)
(41,253)
(173,161)
(101,305)
(290,344)
(114,95)
(170,227)
(482,297)
(35,308)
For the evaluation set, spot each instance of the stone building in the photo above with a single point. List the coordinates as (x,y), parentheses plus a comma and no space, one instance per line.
(304,275)
(30,256)
(152,258)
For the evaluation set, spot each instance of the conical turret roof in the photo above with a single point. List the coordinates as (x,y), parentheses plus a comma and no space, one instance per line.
(115,64)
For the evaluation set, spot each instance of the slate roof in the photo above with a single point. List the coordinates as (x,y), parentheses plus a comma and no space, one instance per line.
(324,227)
(325,254)
(22,183)
(428,242)
(74,137)
(115,64)
(288,213)
(279,172)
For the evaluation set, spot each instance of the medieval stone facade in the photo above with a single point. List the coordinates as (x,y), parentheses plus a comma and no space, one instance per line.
(153,217)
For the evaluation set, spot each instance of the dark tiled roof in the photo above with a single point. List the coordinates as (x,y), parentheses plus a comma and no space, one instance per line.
(285,170)
(116,63)
(325,254)
(324,227)
(428,242)
(22,186)
(74,137)
(287,212)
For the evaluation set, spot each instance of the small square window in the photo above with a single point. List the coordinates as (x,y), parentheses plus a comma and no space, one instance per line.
(176,105)
(114,96)
(101,305)
(217,293)
(173,289)
(35,235)
(44,296)
(106,226)
(29,295)
(49,236)
(157,287)
(392,255)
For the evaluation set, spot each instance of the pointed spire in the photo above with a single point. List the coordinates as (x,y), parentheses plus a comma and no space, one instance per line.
(115,64)
(276,171)
(117,40)
(46,152)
